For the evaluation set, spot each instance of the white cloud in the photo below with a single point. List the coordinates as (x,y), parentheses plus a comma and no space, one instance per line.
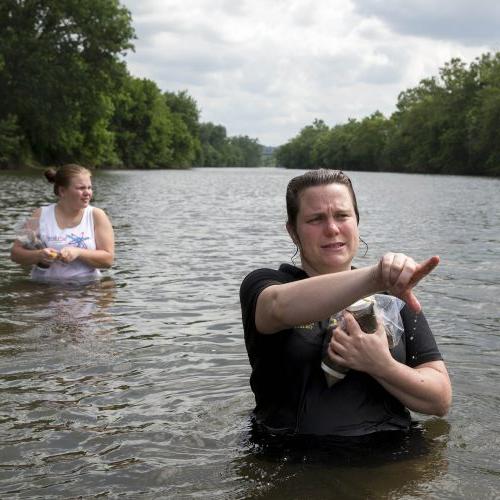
(473,23)
(267,69)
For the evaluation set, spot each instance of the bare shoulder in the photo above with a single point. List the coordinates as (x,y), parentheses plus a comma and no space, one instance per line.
(99,214)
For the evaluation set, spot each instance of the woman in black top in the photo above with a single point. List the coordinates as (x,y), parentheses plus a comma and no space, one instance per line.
(285,317)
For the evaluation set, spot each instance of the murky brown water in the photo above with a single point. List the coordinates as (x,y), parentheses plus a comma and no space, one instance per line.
(138,386)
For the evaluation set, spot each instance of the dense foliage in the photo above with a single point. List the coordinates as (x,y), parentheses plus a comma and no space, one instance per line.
(447,125)
(218,150)
(66,95)
(58,69)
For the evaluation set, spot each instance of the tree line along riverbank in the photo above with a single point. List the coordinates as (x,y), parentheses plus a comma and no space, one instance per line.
(449,124)
(66,95)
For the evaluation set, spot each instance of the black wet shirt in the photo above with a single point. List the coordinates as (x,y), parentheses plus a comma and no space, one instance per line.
(290,389)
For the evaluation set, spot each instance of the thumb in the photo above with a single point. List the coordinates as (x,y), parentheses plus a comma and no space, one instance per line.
(411,300)
(424,269)
(350,323)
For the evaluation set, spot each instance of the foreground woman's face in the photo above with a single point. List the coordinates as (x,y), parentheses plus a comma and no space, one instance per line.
(327,229)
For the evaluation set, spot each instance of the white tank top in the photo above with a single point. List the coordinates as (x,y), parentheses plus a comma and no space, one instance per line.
(81,236)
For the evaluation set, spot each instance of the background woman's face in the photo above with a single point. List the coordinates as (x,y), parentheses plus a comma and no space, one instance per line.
(79,191)
(326,229)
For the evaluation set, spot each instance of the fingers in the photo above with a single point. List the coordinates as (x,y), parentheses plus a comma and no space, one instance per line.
(54,254)
(425,268)
(49,254)
(68,254)
(400,273)
(338,346)
(397,267)
(351,326)
(351,347)
(397,270)
(422,270)
(338,337)
(411,300)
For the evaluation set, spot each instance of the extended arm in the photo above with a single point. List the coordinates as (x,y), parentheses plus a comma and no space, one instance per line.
(313,299)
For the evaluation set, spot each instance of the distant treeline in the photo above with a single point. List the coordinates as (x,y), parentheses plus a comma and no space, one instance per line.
(445,125)
(67,96)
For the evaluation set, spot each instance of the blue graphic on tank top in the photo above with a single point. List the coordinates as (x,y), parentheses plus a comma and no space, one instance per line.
(78,241)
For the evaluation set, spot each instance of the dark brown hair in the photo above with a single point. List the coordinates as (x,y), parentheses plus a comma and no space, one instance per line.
(319,177)
(63,175)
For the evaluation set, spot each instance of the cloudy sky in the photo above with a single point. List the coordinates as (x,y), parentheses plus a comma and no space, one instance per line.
(268,68)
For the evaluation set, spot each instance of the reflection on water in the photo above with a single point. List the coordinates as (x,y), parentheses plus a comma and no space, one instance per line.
(385,466)
(138,385)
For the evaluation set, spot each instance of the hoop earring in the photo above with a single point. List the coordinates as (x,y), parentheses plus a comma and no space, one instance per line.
(295,254)
(365,244)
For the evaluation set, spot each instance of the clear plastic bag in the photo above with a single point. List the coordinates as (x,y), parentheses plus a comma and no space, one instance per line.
(28,233)
(388,308)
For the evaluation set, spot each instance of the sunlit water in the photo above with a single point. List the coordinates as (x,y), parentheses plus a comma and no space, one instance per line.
(138,386)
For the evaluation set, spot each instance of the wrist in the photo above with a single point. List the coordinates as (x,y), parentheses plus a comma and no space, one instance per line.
(386,370)
(39,256)
(376,277)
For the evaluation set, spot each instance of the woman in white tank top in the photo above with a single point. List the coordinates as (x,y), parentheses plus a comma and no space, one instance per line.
(73,239)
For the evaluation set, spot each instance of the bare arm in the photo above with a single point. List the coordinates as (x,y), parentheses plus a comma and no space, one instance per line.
(425,388)
(27,256)
(313,299)
(103,255)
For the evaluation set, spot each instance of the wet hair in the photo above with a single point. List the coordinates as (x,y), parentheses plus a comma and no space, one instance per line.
(319,177)
(63,175)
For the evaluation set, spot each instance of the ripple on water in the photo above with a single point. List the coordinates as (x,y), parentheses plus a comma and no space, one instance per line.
(140,387)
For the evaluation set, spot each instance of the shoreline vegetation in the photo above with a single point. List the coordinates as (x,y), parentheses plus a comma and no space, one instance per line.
(448,124)
(66,96)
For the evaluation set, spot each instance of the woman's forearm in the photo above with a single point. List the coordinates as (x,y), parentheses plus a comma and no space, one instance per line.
(97,258)
(425,389)
(24,256)
(313,299)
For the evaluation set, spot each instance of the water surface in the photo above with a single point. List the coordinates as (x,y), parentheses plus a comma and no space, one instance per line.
(138,386)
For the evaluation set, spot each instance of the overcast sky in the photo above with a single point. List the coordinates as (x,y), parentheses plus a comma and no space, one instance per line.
(268,68)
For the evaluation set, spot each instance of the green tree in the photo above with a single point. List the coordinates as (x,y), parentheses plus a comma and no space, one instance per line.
(299,151)
(484,117)
(10,141)
(249,151)
(460,87)
(60,66)
(369,142)
(333,148)
(186,144)
(213,139)
(446,124)
(219,150)
(143,126)
(417,125)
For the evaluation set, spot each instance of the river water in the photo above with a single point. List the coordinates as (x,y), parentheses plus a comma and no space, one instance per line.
(138,386)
